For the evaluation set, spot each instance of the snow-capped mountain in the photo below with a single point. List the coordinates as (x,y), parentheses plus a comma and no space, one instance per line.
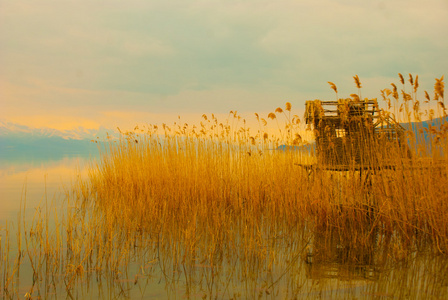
(20,143)
(8,129)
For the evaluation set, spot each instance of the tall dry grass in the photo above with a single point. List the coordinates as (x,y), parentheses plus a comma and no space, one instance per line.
(216,207)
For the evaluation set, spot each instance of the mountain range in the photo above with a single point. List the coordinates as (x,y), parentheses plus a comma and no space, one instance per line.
(19,143)
(13,130)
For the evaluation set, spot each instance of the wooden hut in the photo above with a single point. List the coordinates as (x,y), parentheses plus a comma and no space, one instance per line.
(351,131)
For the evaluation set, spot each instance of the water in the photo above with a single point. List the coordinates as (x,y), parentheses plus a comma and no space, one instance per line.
(35,182)
(321,272)
(35,179)
(32,179)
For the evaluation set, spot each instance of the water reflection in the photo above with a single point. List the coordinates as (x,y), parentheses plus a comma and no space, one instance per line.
(334,255)
(35,181)
(372,264)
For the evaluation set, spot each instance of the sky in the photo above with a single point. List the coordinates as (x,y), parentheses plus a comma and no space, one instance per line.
(91,63)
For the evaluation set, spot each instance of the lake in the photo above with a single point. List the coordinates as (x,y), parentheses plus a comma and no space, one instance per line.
(37,180)
(305,264)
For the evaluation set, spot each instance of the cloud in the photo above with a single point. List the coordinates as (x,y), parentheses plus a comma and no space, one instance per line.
(177,57)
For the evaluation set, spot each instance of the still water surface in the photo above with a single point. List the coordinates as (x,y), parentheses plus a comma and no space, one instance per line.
(35,182)
(45,183)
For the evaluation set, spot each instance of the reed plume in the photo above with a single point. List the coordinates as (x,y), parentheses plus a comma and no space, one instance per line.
(333,86)
(416,84)
(357,82)
(401,78)
(355,97)
(411,79)
(427,96)
(439,87)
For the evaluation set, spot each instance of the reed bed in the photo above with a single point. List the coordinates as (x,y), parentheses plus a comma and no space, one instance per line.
(217,211)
